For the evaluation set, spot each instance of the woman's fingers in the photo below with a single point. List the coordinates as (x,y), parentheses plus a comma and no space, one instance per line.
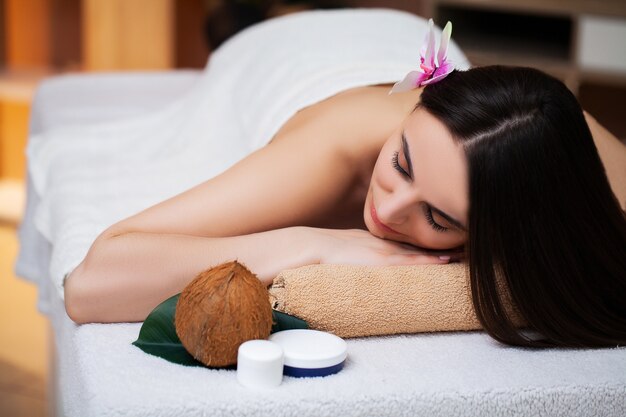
(362,248)
(418,259)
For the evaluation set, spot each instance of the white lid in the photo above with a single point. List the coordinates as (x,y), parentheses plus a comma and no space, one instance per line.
(310,349)
(259,364)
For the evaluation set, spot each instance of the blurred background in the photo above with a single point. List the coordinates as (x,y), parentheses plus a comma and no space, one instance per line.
(582,42)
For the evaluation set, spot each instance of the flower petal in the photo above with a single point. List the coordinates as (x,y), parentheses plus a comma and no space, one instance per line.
(429,56)
(437,77)
(423,48)
(431,70)
(412,80)
(446,68)
(443,45)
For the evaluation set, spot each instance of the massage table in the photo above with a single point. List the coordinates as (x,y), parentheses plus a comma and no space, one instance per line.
(96,371)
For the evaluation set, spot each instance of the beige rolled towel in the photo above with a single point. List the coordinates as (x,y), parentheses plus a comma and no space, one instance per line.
(353,301)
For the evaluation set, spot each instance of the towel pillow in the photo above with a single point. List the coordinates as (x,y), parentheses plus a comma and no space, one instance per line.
(354,301)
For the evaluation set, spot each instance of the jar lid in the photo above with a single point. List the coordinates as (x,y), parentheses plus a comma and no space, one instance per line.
(311,352)
(259,364)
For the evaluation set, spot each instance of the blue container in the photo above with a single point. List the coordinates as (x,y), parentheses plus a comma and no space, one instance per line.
(311,353)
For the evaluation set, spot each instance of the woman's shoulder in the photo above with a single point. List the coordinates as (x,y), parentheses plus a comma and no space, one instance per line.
(612,152)
(355,122)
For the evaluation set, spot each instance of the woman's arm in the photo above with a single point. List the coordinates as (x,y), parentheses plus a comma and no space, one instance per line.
(247,213)
(125,276)
(613,155)
(142,260)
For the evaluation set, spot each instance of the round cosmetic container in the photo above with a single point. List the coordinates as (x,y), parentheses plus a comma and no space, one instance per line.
(259,364)
(310,353)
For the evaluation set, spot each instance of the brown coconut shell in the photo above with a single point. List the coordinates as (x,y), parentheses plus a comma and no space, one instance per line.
(219,310)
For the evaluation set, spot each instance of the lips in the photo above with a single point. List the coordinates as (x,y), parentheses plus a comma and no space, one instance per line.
(377,221)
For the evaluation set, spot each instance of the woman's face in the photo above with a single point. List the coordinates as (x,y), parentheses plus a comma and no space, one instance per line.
(418,193)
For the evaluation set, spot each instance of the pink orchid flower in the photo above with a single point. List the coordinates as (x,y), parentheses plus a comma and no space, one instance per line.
(431,70)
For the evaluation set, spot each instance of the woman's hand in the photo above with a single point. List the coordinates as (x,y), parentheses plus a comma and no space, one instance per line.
(360,247)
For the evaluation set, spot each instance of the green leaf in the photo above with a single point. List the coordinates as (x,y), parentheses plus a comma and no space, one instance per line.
(158,333)
(283,321)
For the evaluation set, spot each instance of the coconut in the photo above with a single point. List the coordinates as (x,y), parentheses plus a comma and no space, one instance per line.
(219,310)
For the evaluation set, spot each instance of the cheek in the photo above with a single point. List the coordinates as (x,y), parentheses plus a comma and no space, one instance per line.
(426,237)
(436,240)
(384,176)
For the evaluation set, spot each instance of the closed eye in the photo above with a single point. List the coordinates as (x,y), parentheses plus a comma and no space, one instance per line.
(428,212)
(396,164)
(395,160)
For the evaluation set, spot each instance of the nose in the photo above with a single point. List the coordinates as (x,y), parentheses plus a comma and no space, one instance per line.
(396,207)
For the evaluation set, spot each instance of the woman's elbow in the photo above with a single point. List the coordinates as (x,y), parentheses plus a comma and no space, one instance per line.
(85,295)
(84,288)
(80,298)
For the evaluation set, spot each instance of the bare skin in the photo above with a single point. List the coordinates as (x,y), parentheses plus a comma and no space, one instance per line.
(305,198)
(613,155)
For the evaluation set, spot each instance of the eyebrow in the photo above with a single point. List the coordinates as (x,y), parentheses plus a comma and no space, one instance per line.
(449,219)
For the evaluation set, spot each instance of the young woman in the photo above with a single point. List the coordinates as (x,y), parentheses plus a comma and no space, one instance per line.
(495,166)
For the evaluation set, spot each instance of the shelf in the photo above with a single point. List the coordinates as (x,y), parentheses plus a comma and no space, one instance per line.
(540,38)
(19,86)
(558,67)
(615,8)
(606,78)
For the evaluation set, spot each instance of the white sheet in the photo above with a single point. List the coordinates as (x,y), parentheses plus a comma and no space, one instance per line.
(438,374)
(83,99)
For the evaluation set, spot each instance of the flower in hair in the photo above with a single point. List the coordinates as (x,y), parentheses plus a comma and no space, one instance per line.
(431,69)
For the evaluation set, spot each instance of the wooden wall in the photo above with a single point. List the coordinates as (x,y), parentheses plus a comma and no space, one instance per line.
(39,38)
(128,34)
(27,28)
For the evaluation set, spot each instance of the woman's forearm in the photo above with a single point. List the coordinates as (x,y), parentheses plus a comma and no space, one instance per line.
(124,277)
(126,274)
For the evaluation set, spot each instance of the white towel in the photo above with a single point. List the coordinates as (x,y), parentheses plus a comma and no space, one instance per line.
(436,375)
(90,176)
(101,374)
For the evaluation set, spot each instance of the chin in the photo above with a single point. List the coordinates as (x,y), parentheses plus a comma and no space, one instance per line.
(370,229)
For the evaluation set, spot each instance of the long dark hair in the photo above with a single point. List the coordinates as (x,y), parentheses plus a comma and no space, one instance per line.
(543,219)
